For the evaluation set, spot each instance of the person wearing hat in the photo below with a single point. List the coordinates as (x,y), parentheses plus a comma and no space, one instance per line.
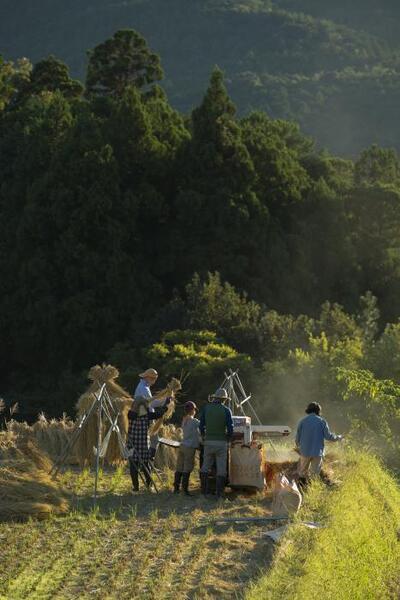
(187,450)
(143,396)
(147,380)
(312,431)
(140,417)
(216,428)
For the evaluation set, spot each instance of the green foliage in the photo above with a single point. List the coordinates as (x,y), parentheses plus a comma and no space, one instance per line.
(202,355)
(383,357)
(335,69)
(281,179)
(368,316)
(336,324)
(49,75)
(119,62)
(12,78)
(377,165)
(110,203)
(374,409)
(219,307)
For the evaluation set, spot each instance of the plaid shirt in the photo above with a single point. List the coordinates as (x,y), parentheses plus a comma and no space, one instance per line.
(138,434)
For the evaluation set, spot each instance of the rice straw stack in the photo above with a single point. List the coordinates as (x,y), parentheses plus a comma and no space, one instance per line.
(26,488)
(51,436)
(166,456)
(122,401)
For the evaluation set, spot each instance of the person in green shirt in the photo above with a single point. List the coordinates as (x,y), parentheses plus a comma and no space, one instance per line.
(216,428)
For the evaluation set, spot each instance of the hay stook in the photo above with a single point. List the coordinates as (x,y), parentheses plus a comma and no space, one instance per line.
(26,488)
(99,375)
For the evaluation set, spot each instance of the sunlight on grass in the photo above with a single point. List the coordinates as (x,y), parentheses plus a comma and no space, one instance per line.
(94,548)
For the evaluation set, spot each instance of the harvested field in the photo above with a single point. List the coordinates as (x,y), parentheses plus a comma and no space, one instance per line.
(142,546)
(145,545)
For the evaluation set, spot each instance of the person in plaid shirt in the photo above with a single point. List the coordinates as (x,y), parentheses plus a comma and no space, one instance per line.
(138,440)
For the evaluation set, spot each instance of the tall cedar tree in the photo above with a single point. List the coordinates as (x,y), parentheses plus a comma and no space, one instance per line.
(221,223)
(123,60)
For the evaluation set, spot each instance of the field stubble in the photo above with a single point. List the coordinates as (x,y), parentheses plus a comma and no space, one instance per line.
(143,546)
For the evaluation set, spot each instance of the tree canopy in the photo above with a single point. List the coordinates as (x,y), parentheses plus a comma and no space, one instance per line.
(133,234)
(121,61)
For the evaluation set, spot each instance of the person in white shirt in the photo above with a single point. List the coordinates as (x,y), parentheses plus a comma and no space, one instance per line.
(187,450)
(147,380)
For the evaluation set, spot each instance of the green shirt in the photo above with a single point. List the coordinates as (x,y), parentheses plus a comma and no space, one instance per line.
(216,422)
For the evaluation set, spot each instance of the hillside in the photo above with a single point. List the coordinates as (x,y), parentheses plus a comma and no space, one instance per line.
(355,555)
(338,78)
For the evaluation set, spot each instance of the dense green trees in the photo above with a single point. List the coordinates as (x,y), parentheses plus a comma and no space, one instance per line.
(133,234)
(330,66)
(119,62)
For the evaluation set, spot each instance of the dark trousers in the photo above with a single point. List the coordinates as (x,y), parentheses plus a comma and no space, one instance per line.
(134,471)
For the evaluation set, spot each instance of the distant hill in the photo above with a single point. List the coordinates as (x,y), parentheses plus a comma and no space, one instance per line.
(333,68)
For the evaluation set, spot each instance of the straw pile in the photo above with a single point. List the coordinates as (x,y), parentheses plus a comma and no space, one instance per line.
(122,401)
(173,387)
(26,489)
(289,468)
(51,435)
(271,469)
(166,456)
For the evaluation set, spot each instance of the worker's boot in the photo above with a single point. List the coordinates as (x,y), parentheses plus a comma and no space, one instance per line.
(220,486)
(204,483)
(147,475)
(134,476)
(185,484)
(177,481)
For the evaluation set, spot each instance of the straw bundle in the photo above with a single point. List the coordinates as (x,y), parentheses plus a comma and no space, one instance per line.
(51,436)
(26,489)
(122,401)
(289,468)
(20,429)
(271,469)
(173,387)
(166,456)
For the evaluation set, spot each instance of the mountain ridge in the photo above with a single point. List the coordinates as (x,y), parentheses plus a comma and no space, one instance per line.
(293,64)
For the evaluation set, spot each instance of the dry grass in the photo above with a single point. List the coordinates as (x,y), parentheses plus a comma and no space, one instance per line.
(145,546)
(50,435)
(166,456)
(172,389)
(150,545)
(26,489)
(88,439)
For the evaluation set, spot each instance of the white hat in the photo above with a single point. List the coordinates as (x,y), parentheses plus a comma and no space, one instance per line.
(149,373)
(221,394)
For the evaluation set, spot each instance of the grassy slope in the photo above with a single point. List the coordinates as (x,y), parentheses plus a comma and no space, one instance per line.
(356,556)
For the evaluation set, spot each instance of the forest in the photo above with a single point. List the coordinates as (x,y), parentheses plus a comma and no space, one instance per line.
(134,234)
(330,66)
